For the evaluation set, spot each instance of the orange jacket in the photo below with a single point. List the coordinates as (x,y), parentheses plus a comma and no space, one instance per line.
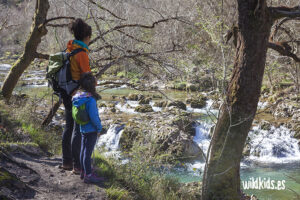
(80,62)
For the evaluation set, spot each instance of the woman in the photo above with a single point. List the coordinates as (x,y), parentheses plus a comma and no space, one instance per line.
(71,141)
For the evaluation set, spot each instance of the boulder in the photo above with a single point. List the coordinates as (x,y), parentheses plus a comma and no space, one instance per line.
(133,97)
(178,104)
(130,134)
(101,105)
(198,103)
(161,104)
(145,100)
(265,125)
(144,109)
(247,150)
(192,87)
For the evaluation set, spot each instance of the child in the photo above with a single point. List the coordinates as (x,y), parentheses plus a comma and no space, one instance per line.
(87,95)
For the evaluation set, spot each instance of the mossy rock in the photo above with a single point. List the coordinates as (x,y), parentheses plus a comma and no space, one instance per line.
(185,123)
(133,97)
(180,86)
(161,104)
(102,105)
(192,87)
(145,101)
(155,96)
(246,150)
(144,109)
(265,125)
(198,103)
(297,132)
(177,104)
(130,134)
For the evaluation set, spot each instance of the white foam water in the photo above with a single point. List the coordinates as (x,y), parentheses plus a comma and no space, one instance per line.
(111,139)
(126,108)
(4,67)
(276,146)
(273,146)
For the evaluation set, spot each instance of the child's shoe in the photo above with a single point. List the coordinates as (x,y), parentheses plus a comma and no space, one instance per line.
(92,178)
(82,175)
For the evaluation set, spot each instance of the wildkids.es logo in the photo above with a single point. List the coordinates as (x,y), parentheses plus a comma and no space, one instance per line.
(263,184)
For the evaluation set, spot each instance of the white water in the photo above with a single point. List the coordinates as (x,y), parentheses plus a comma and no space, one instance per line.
(275,146)
(4,67)
(111,139)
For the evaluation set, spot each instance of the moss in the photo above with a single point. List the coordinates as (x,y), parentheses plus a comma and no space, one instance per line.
(143,109)
(178,104)
(129,135)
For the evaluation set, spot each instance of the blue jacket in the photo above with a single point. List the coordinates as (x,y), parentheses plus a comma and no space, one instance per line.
(94,124)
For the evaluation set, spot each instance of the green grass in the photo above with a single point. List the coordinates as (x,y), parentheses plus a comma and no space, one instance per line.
(118,193)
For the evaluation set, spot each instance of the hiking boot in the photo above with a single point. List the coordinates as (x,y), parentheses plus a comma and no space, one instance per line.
(65,167)
(76,171)
(92,178)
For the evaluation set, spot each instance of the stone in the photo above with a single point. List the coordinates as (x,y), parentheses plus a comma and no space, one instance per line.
(247,150)
(101,105)
(178,104)
(145,101)
(161,104)
(133,97)
(144,109)
(265,125)
(198,103)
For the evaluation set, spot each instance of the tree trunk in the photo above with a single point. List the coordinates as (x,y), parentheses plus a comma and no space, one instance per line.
(222,172)
(37,32)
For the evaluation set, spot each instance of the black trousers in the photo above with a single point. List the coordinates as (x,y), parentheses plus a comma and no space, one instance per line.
(71,139)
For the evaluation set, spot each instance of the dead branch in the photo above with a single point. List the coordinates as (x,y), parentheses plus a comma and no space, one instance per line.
(133,25)
(105,9)
(51,114)
(57,18)
(282,12)
(283,50)
(42,56)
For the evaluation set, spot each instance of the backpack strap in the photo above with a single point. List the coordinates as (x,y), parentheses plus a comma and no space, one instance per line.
(74,52)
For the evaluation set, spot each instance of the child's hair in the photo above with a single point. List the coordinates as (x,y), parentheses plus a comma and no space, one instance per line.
(80,29)
(88,83)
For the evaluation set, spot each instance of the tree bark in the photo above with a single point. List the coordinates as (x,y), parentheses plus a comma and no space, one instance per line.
(38,30)
(222,172)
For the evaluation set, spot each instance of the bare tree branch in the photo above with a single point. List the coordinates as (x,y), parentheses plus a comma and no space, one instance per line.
(281,12)
(57,18)
(283,50)
(133,25)
(107,10)
(42,56)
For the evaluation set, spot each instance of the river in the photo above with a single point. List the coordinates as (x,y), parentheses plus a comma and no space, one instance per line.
(274,174)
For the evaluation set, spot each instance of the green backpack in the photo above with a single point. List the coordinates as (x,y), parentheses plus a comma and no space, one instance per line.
(80,115)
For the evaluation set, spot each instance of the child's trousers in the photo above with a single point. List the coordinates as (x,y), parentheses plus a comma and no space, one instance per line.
(88,142)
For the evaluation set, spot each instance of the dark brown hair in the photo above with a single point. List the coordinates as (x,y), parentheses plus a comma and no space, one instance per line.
(88,83)
(80,29)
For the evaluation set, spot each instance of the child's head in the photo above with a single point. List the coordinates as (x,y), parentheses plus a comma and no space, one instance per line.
(81,30)
(88,83)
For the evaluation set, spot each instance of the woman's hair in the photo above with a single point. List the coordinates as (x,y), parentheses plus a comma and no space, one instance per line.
(88,83)
(80,29)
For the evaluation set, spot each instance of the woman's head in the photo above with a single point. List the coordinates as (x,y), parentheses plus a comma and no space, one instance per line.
(81,30)
(88,83)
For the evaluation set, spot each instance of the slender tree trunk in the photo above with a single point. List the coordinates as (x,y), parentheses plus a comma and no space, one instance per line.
(222,172)
(37,32)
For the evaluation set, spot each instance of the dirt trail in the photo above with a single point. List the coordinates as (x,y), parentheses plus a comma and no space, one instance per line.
(40,178)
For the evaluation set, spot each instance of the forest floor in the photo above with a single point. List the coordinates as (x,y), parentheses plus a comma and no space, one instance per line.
(39,177)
